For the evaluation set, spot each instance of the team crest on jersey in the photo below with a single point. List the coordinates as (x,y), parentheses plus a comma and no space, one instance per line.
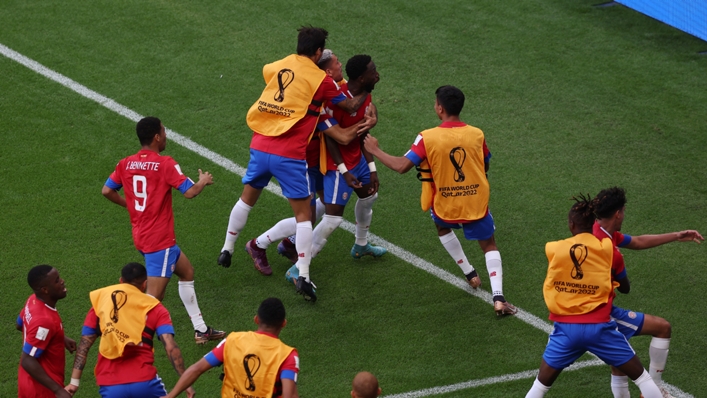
(632,315)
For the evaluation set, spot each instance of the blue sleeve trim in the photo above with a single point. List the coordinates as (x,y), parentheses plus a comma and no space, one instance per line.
(487,158)
(413,157)
(27,348)
(212,360)
(112,184)
(626,241)
(326,124)
(188,183)
(89,331)
(622,275)
(338,98)
(165,329)
(289,374)
(19,321)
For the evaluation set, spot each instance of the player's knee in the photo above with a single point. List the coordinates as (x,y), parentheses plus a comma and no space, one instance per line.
(664,329)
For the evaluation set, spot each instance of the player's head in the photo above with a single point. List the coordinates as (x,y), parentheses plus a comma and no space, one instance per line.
(450,99)
(609,205)
(311,41)
(362,70)
(150,129)
(581,216)
(134,274)
(271,315)
(330,64)
(365,385)
(46,282)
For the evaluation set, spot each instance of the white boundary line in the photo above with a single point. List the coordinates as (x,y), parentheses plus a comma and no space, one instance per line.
(346,225)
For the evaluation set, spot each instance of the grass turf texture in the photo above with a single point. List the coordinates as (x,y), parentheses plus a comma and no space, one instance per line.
(571,98)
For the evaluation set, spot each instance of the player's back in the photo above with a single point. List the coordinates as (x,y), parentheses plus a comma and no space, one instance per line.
(148,179)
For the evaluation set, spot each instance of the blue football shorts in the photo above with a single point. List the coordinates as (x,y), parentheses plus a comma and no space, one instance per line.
(336,191)
(162,263)
(145,389)
(290,173)
(316,182)
(474,230)
(630,322)
(569,341)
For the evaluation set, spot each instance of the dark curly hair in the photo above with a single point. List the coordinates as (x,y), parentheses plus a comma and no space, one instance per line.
(609,201)
(582,212)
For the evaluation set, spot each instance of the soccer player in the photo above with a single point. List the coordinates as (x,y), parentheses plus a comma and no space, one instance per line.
(453,159)
(149,178)
(41,370)
(127,320)
(365,385)
(578,291)
(609,207)
(349,168)
(255,364)
(283,120)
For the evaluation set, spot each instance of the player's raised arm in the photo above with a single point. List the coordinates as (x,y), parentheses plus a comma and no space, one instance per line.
(205,178)
(401,164)
(649,241)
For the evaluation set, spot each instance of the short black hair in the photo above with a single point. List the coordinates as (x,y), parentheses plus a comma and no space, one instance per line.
(37,274)
(147,128)
(609,201)
(357,65)
(271,312)
(451,99)
(310,39)
(133,273)
(582,212)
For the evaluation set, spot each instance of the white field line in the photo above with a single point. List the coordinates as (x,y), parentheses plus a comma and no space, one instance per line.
(346,225)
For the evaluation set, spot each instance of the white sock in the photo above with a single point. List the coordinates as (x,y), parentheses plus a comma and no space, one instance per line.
(619,386)
(304,248)
(323,231)
(236,222)
(495,269)
(658,352)
(647,386)
(364,214)
(538,390)
(454,248)
(320,209)
(279,231)
(188,296)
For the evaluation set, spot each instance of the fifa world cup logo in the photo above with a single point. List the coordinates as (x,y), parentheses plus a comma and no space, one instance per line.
(119,298)
(251,364)
(457,156)
(284,78)
(578,253)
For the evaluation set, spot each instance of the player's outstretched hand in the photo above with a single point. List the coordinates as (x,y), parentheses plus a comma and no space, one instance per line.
(69,344)
(71,389)
(352,181)
(206,176)
(190,392)
(690,235)
(370,143)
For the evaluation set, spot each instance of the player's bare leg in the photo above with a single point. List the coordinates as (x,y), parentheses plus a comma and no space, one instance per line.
(451,243)
(236,222)
(495,270)
(185,271)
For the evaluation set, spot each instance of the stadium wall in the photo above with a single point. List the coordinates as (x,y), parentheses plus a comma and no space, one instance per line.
(690,16)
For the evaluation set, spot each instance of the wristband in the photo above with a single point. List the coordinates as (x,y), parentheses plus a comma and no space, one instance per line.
(74,382)
(372,167)
(342,168)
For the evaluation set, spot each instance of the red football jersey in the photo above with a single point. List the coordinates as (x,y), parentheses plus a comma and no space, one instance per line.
(351,153)
(148,179)
(44,340)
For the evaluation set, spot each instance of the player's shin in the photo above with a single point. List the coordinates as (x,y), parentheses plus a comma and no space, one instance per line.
(303,243)
(236,222)
(364,214)
(451,243)
(188,295)
(323,230)
(647,386)
(619,386)
(495,269)
(279,231)
(658,352)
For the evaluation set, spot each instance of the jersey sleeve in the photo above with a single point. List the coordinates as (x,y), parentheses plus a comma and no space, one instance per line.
(159,320)
(38,334)
(330,91)
(90,324)
(174,176)
(215,357)
(487,153)
(114,181)
(326,121)
(618,267)
(621,239)
(417,152)
(290,367)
